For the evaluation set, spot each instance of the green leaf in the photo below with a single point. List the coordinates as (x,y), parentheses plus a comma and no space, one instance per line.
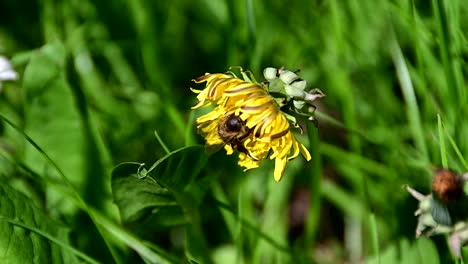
(154,196)
(149,252)
(53,121)
(20,245)
(142,201)
(57,122)
(177,170)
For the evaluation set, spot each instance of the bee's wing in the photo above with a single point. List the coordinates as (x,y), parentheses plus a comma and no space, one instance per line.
(214,147)
(213,142)
(209,130)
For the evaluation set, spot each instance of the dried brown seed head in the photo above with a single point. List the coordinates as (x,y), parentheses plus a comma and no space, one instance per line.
(447,185)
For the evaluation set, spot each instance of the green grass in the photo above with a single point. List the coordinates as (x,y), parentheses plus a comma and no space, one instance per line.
(107,82)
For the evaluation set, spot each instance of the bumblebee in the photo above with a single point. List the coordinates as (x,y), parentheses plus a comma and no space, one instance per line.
(232,131)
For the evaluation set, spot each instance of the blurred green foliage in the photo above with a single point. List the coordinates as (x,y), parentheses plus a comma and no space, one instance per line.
(98,78)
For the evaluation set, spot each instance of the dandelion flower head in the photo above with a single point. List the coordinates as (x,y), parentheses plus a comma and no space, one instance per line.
(248,119)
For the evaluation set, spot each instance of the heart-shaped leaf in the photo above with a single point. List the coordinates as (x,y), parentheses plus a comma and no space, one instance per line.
(142,201)
(169,193)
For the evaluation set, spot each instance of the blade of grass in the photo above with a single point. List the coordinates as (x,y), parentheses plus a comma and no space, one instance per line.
(447,51)
(51,29)
(343,200)
(52,239)
(274,223)
(80,202)
(132,241)
(412,109)
(250,21)
(253,228)
(443,150)
(332,121)
(150,49)
(115,230)
(374,236)
(161,142)
(359,161)
(456,149)
(229,218)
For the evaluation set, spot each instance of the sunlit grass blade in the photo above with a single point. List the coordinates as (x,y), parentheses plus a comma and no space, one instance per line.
(374,236)
(412,109)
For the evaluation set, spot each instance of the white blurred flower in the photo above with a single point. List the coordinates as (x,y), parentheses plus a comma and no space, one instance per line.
(7,73)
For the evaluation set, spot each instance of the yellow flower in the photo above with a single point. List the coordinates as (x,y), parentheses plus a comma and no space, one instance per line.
(246,119)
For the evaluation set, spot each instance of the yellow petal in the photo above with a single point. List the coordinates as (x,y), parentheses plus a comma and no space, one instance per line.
(305,152)
(228,149)
(280,165)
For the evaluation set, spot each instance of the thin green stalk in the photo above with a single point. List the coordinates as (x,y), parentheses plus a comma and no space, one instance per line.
(313,215)
(161,142)
(176,117)
(443,150)
(456,149)
(240,226)
(189,138)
